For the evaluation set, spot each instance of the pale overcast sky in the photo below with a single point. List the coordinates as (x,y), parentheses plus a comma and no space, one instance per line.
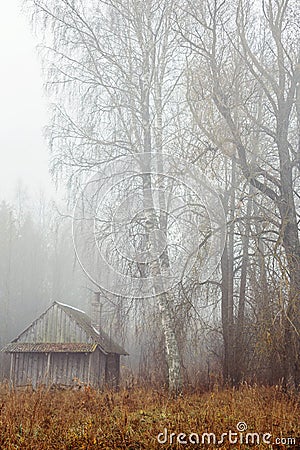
(23,106)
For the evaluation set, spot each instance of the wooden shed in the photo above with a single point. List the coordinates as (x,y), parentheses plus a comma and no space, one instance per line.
(63,347)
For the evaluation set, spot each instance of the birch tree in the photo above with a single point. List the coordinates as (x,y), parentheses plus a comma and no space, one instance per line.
(114,70)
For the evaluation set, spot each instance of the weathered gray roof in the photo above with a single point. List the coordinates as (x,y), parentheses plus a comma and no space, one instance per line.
(69,347)
(84,321)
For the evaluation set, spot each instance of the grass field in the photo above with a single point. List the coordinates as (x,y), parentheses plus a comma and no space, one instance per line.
(89,419)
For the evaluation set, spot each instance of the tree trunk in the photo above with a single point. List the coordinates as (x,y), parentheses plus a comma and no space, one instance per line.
(290,240)
(152,223)
(239,335)
(227,285)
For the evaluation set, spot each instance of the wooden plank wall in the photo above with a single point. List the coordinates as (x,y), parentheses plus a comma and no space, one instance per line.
(69,368)
(112,372)
(98,363)
(29,368)
(65,369)
(55,326)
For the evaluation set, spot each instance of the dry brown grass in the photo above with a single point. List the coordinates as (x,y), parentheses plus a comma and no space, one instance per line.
(89,419)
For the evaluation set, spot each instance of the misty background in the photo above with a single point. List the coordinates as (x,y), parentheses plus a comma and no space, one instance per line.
(214,83)
(36,253)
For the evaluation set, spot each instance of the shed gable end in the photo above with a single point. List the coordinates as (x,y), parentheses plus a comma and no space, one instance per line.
(55,326)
